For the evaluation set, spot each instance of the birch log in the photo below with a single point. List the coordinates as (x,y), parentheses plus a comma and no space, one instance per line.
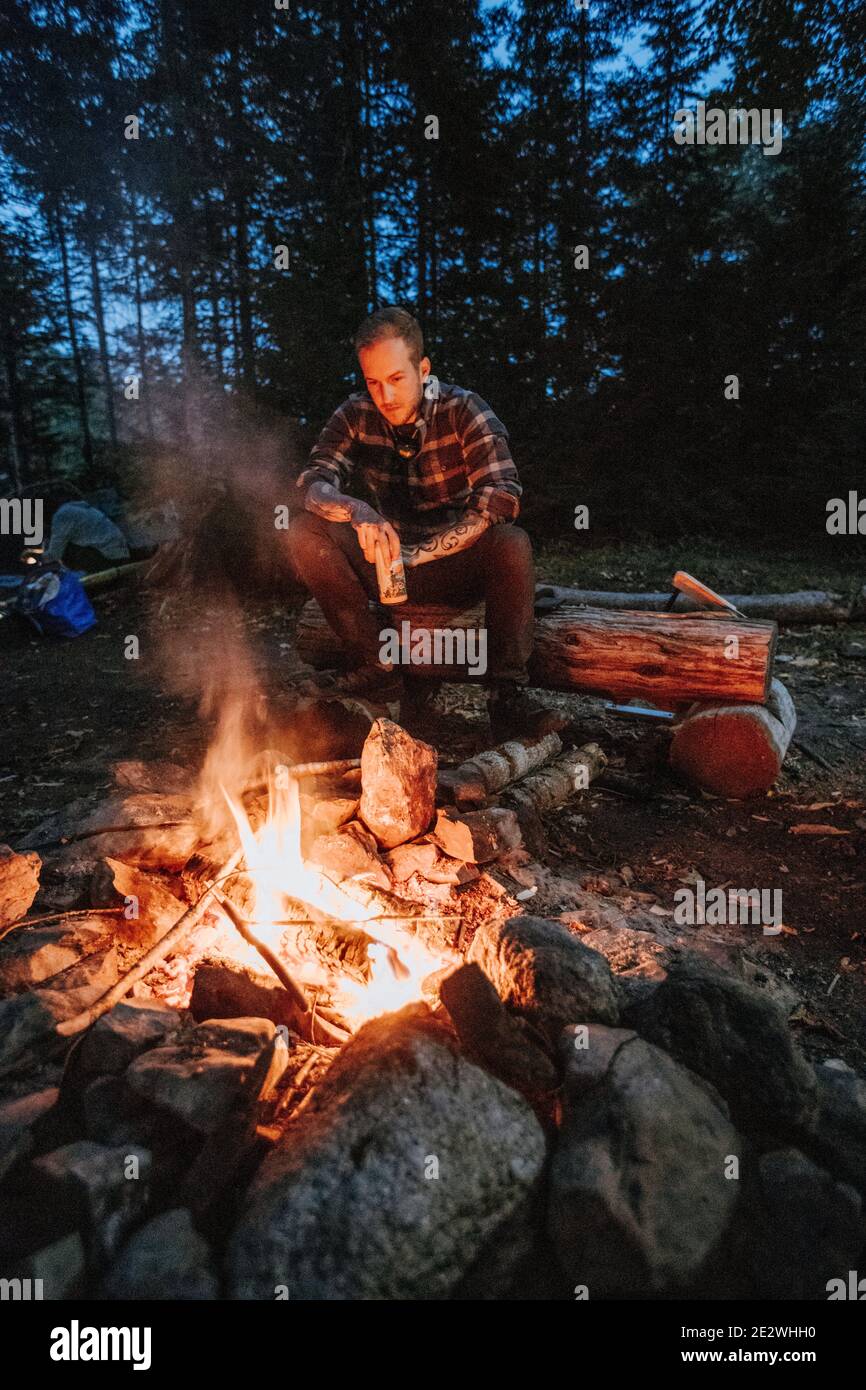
(553,785)
(490,772)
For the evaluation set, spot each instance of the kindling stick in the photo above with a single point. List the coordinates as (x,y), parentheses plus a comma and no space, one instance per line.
(309,1016)
(68,1027)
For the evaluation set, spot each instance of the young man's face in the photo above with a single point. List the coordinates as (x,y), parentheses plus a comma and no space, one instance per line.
(394,382)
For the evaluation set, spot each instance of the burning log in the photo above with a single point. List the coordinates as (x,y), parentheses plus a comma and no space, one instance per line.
(340,945)
(669,658)
(735,750)
(490,772)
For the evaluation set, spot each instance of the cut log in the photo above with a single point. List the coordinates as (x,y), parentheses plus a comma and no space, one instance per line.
(804,606)
(735,750)
(492,771)
(667,658)
(671,659)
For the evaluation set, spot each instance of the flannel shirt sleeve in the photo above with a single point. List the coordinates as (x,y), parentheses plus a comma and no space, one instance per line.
(491,471)
(330,457)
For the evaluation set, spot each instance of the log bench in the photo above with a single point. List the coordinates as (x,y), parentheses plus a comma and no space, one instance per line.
(735,721)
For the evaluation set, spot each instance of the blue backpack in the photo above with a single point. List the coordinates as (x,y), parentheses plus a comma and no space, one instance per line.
(56,603)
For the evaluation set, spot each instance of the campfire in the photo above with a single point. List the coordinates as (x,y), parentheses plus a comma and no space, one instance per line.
(308,1006)
(284,882)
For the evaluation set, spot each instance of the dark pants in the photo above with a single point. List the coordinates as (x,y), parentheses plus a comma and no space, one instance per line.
(498,568)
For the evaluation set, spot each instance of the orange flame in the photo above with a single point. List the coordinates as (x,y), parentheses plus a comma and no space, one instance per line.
(399,961)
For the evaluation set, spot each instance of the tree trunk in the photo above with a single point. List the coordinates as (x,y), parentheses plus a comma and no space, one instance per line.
(86,441)
(372,258)
(214,250)
(139,323)
(18,449)
(434,251)
(421,234)
(102,337)
(242,260)
(242,249)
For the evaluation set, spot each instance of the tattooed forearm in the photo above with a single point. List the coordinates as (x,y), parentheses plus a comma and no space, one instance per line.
(324,500)
(447,542)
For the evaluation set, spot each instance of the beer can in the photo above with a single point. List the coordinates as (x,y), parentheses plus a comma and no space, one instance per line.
(391,577)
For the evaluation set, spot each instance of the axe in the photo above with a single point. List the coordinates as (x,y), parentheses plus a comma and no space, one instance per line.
(686,584)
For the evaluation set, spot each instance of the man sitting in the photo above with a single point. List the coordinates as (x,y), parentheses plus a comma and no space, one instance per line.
(439,486)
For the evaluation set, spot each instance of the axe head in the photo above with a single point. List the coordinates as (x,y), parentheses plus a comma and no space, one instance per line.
(684,583)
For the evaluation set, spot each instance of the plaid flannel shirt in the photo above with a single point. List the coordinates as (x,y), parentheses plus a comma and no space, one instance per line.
(463,462)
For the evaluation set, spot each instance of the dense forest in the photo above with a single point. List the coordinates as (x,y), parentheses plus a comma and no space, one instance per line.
(202,201)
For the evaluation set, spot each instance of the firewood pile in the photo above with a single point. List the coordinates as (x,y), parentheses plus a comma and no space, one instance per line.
(565,1105)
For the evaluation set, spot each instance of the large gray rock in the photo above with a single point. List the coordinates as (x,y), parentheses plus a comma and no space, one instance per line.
(545,974)
(217,1072)
(166,1259)
(405,1164)
(18,1120)
(638,1194)
(33,954)
(836,1134)
(807,1228)
(27,1028)
(162,831)
(28,1022)
(60,1266)
(735,1037)
(104,1190)
(398,780)
(130,1028)
(112,1114)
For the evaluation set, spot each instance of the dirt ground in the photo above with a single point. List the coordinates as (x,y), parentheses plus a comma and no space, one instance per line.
(68,710)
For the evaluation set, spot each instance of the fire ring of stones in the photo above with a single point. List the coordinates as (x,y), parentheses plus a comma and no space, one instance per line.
(526,1123)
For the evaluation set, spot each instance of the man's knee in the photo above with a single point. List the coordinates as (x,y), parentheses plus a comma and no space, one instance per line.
(509,544)
(309,539)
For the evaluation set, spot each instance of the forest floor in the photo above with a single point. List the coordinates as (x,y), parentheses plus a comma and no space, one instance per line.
(68,710)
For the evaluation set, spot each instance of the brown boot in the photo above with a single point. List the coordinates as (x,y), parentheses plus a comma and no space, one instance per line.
(513,714)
